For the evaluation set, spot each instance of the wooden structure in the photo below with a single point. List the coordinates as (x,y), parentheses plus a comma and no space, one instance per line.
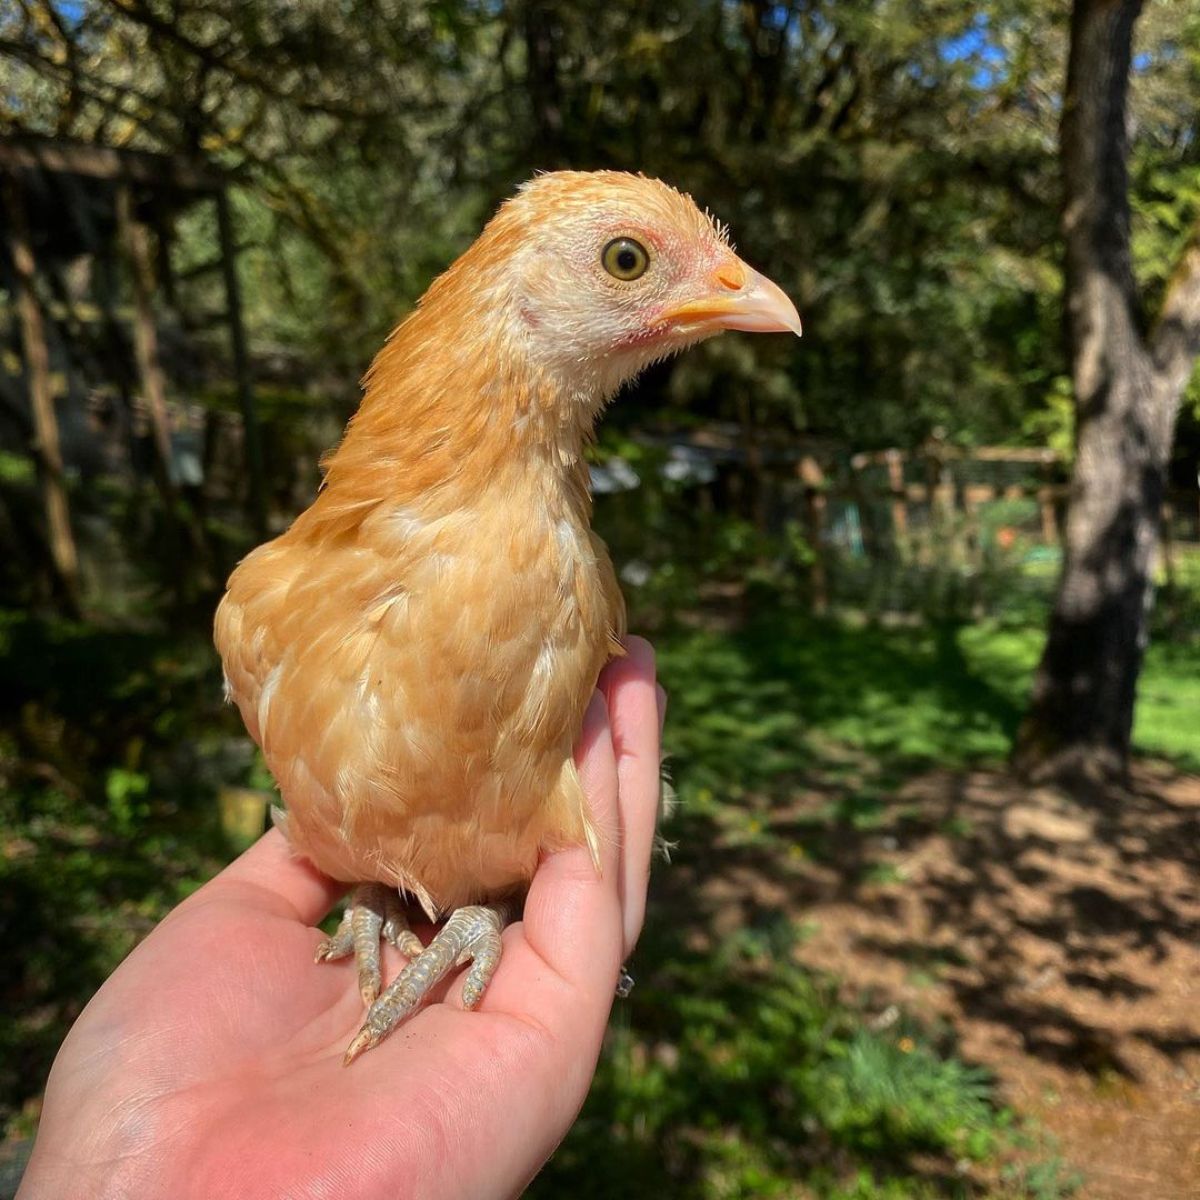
(64,201)
(941,490)
(933,506)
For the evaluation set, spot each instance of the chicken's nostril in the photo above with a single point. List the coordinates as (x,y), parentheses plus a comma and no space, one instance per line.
(731,275)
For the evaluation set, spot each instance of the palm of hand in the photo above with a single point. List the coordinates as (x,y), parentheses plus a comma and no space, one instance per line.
(210,1063)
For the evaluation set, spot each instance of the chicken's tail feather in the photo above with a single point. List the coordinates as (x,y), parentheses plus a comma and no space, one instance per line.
(572,817)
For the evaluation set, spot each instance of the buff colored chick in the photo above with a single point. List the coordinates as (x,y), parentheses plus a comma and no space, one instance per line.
(415,654)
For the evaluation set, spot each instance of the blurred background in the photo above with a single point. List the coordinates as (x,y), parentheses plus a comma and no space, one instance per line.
(879,965)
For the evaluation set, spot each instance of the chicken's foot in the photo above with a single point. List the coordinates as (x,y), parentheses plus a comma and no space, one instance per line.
(470,935)
(374,912)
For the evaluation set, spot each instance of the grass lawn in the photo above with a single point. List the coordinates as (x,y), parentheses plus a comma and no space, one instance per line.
(752,707)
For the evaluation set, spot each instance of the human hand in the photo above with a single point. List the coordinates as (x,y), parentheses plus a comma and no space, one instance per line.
(209,1064)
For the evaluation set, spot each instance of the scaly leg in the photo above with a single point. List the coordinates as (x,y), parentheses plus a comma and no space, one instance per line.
(374,911)
(470,935)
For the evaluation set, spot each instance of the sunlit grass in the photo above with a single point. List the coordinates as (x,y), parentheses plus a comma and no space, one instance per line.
(773,697)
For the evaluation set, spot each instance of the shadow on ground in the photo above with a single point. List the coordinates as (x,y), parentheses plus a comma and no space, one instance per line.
(1058,935)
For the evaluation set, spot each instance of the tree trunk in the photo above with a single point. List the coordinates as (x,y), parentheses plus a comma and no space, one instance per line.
(191,551)
(542,29)
(252,440)
(1127,392)
(46,447)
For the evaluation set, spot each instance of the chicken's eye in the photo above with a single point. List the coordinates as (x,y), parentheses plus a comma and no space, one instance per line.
(625,259)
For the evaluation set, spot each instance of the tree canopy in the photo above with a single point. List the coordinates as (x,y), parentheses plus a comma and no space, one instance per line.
(892,161)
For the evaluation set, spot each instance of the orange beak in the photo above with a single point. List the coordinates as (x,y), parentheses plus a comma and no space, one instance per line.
(738,298)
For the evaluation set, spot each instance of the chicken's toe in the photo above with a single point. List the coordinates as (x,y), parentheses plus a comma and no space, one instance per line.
(374,911)
(340,942)
(396,929)
(472,935)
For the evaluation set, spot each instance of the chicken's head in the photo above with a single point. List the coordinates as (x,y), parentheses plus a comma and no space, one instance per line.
(601,273)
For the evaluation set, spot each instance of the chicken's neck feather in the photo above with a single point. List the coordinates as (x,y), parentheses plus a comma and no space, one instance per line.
(456,397)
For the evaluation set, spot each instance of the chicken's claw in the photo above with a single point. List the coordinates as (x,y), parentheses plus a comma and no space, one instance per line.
(340,942)
(472,935)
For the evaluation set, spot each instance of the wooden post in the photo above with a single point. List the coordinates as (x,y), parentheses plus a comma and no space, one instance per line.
(1046,505)
(813,479)
(252,442)
(47,448)
(939,488)
(188,532)
(939,480)
(145,338)
(163,272)
(1168,546)
(895,467)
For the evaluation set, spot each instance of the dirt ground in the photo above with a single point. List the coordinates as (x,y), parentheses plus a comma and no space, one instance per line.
(1058,938)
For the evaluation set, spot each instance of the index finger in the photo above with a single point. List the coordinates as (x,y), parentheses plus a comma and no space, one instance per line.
(633,702)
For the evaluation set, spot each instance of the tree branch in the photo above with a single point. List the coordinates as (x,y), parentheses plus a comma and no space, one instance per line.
(1094,151)
(1175,338)
(230,64)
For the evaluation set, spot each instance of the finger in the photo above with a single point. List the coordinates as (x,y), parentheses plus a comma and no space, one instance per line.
(595,760)
(572,914)
(271,866)
(636,717)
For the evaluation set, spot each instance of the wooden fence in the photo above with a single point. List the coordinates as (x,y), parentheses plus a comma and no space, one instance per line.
(935,504)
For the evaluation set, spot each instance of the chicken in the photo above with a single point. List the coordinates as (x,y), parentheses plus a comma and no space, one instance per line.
(415,654)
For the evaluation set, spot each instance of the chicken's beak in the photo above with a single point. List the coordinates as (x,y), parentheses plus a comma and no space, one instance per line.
(737,297)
